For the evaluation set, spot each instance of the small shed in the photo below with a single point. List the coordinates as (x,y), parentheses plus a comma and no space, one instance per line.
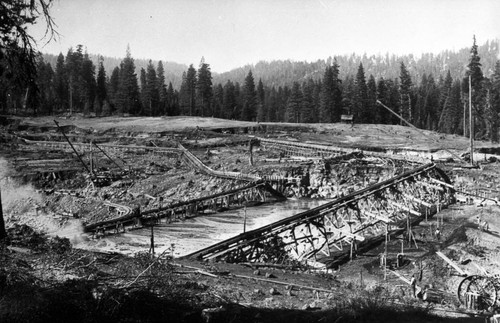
(347,118)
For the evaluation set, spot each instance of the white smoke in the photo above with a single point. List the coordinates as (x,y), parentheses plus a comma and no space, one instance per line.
(22,204)
(16,198)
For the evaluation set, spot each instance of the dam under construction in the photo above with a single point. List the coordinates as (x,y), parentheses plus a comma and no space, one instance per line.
(255,194)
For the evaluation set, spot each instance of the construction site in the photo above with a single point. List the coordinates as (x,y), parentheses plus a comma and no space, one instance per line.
(249,222)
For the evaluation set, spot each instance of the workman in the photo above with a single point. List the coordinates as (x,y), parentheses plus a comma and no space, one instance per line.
(438,234)
(413,284)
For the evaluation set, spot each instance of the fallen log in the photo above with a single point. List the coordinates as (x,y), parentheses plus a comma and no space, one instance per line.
(432,295)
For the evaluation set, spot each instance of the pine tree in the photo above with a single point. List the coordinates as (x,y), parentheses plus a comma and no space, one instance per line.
(361,113)
(337,92)
(446,116)
(384,97)
(218,100)
(114,87)
(87,83)
(162,89)
(190,90)
(18,50)
(405,88)
(152,93)
(327,94)
(61,84)
(204,91)
(294,105)
(307,113)
(349,91)
(371,103)
(172,102)
(495,103)
(249,110)
(229,101)
(330,107)
(317,99)
(261,104)
(456,104)
(128,92)
(143,91)
(42,100)
(476,76)
(272,108)
(238,97)
(101,92)
(74,61)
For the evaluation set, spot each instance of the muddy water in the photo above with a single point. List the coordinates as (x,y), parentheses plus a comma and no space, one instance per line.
(184,237)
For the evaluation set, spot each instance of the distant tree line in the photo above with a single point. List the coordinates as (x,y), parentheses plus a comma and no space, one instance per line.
(429,101)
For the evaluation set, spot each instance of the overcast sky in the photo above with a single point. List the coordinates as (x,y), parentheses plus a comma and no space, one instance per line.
(232,33)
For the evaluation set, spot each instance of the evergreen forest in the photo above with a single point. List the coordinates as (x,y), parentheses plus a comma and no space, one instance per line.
(430,91)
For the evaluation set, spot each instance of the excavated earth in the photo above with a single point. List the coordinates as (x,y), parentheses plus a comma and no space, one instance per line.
(47,245)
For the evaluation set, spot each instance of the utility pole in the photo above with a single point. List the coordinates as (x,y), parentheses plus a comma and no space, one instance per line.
(471,121)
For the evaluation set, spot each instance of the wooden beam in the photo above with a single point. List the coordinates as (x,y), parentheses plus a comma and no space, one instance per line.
(376,216)
(417,200)
(441,182)
(438,188)
(355,236)
(401,277)
(451,263)
(405,208)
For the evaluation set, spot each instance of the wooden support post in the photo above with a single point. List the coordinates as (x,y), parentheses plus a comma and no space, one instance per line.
(385,252)
(405,208)
(417,200)
(245,220)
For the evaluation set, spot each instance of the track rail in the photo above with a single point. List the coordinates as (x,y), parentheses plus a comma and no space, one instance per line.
(347,221)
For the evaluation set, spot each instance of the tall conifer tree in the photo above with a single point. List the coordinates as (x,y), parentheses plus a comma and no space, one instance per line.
(405,88)
(294,105)
(101,92)
(128,92)
(361,114)
(204,88)
(249,109)
(162,89)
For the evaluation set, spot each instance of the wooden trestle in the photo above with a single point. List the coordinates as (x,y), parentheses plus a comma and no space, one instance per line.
(84,147)
(256,192)
(349,219)
(293,148)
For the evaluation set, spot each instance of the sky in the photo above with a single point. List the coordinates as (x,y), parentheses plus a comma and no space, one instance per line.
(233,33)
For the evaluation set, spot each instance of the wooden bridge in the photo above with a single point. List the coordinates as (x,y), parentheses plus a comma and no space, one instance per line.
(345,222)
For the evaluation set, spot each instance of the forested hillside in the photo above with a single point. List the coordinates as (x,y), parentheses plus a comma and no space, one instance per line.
(285,72)
(429,91)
